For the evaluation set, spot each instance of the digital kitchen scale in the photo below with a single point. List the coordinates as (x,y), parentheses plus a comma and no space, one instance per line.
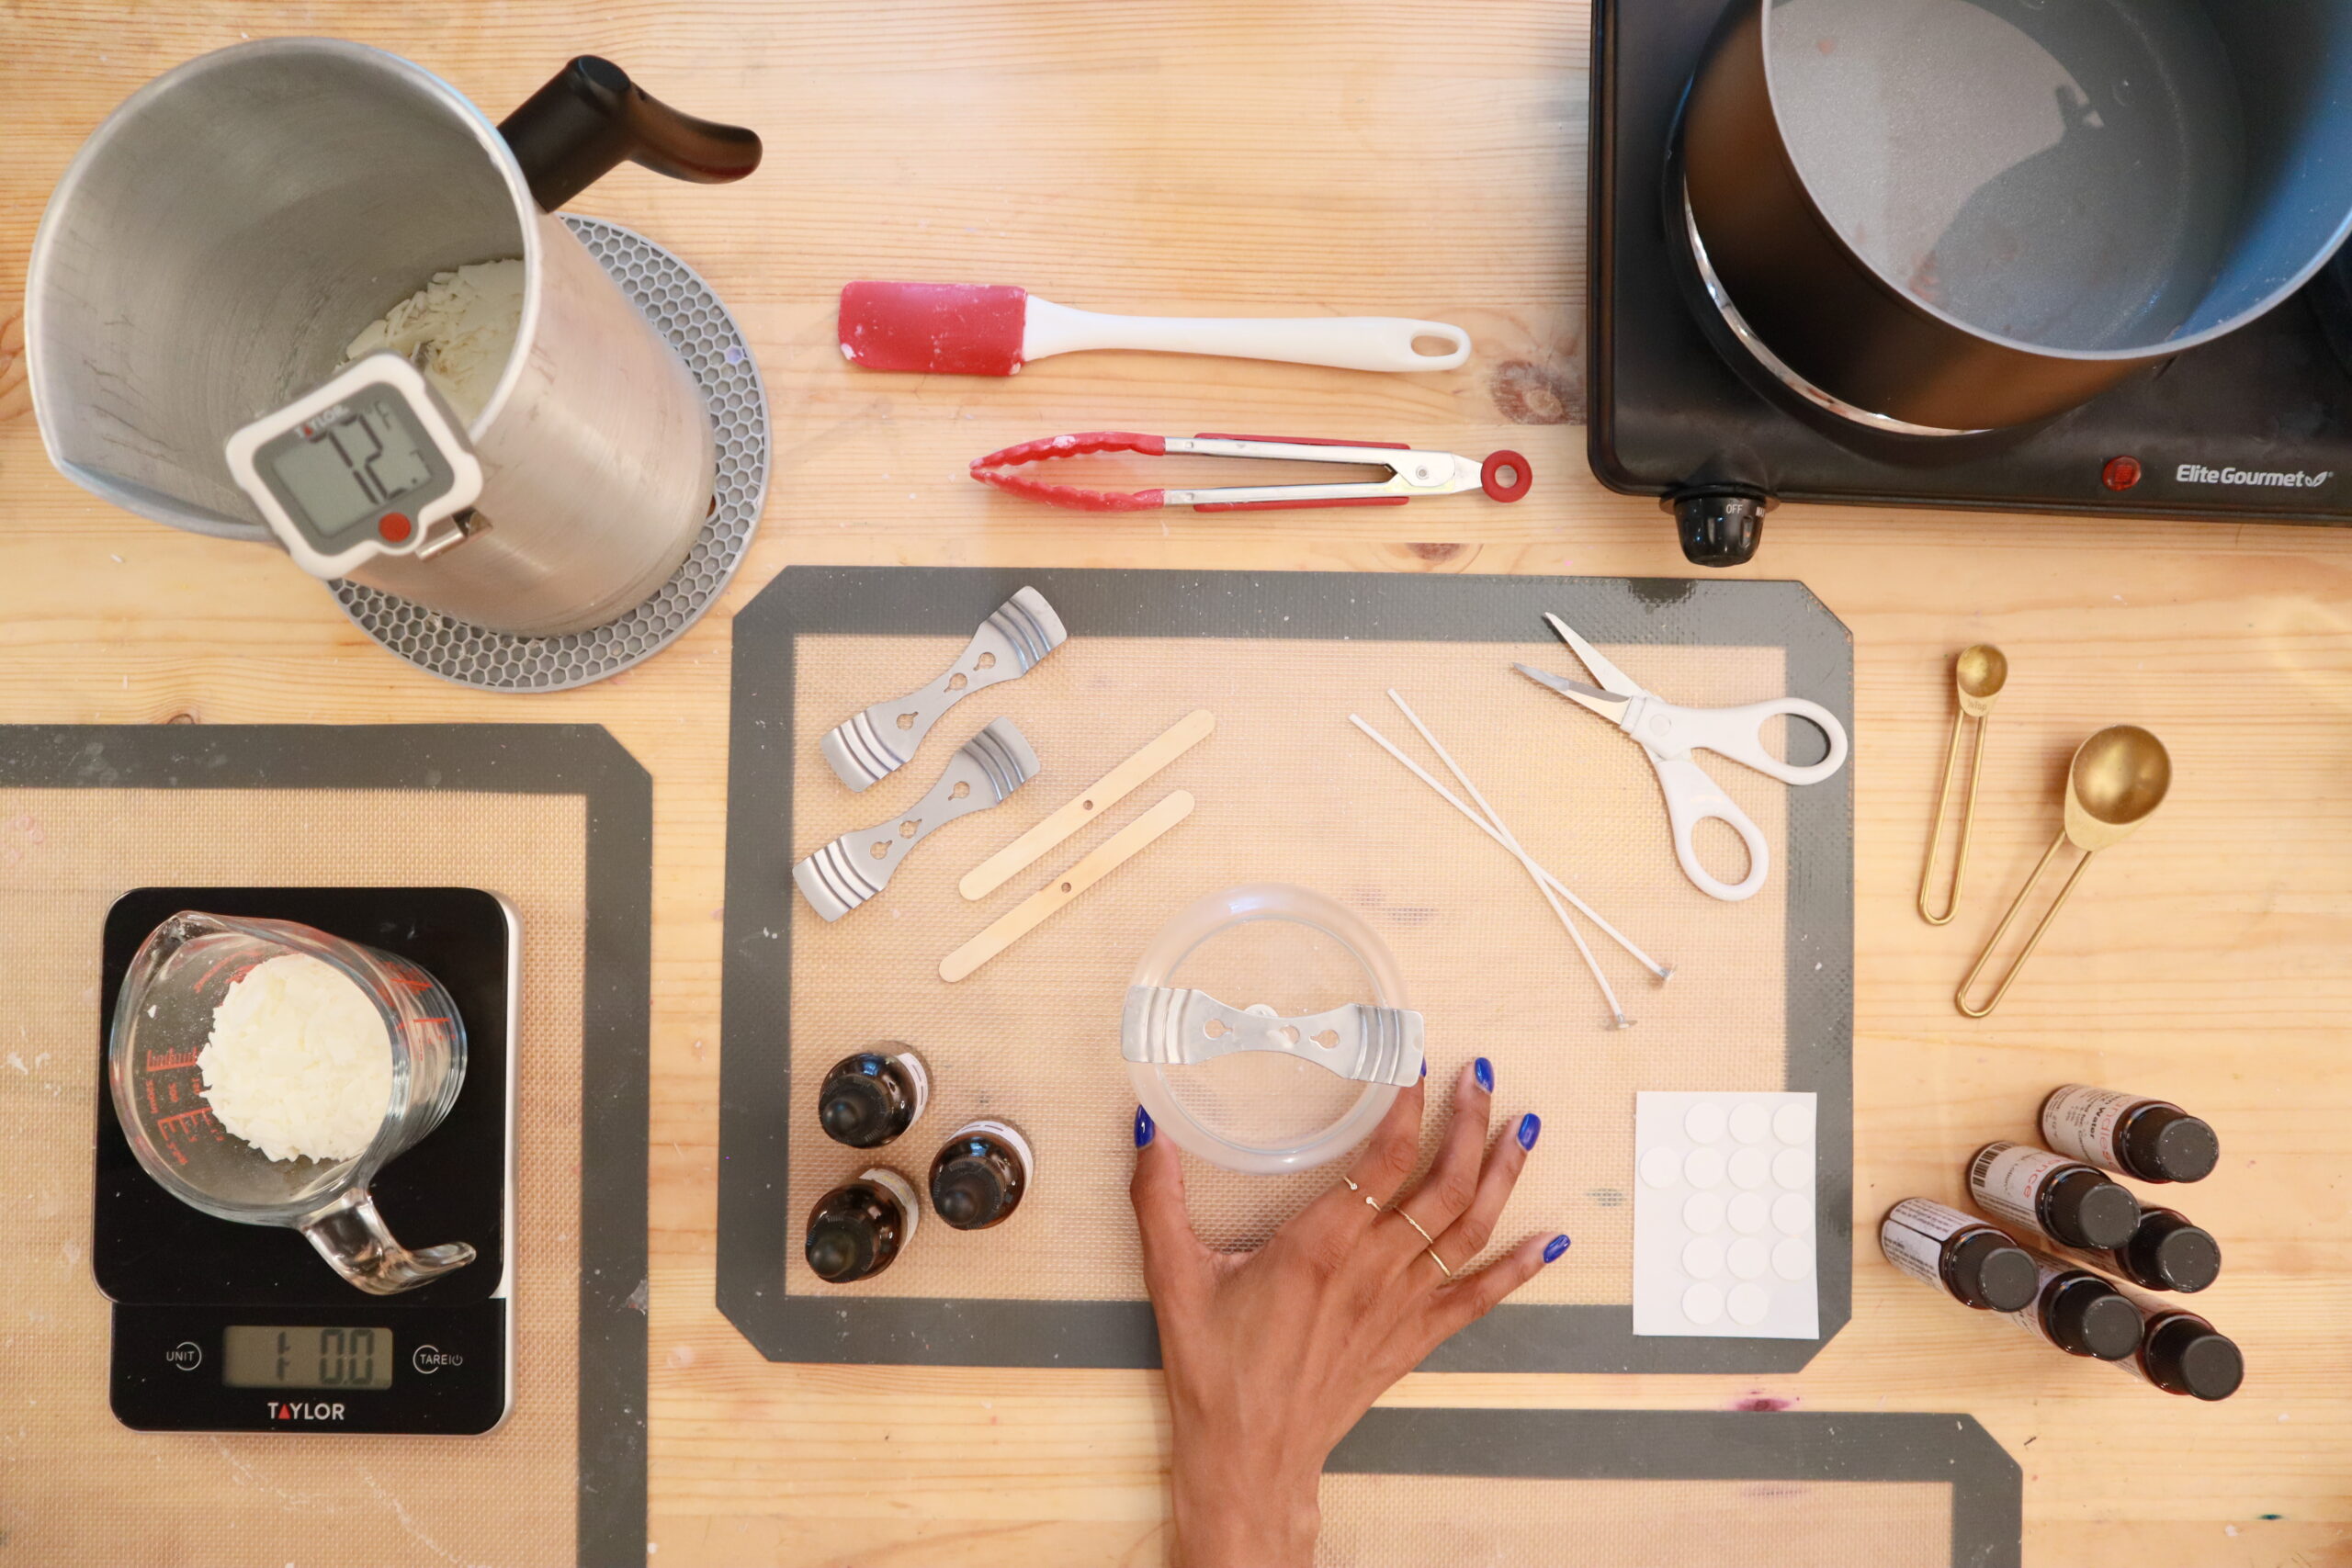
(2255,427)
(228,1328)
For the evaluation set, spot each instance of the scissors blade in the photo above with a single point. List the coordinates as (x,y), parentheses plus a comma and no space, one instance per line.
(1608,674)
(1607,706)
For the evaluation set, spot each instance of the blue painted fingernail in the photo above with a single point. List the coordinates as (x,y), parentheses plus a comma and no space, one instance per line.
(1425,1067)
(1530,1126)
(1143,1129)
(1553,1248)
(1484,1071)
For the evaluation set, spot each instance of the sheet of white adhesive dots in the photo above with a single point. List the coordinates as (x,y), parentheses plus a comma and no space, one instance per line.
(1723,1228)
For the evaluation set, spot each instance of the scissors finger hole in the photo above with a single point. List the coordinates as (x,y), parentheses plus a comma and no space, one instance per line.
(1794,739)
(1717,845)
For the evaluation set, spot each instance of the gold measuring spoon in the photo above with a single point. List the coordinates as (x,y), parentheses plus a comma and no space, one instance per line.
(2118,778)
(1977,677)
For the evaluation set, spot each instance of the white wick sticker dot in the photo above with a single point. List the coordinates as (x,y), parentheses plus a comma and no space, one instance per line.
(1793,1214)
(1752,1122)
(1792,1123)
(1793,1260)
(1748,1210)
(1748,1258)
(1661,1166)
(1749,1303)
(1751,1167)
(1703,1303)
(1704,1168)
(1792,1169)
(1703,1259)
(1703,1212)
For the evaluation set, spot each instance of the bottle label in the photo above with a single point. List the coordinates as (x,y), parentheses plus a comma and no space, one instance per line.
(2006,1181)
(898,1187)
(2083,1121)
(2029,1317)
(921,1079)
(1914,1233)
(1007,1134)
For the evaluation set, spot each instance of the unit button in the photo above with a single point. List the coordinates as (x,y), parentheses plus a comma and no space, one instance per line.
(430,1358)
(187,1355)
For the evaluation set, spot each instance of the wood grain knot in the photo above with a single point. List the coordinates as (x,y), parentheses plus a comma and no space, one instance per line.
(1529,393)
(1437,552)
(15,395)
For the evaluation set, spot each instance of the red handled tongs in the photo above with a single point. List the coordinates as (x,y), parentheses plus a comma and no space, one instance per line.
(1503,475)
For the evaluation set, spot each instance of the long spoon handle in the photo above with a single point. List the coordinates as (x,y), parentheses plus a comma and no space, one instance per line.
(1959,996)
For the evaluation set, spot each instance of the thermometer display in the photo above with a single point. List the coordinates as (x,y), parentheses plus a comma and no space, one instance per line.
(349,463)
(310,1356)
(367,465)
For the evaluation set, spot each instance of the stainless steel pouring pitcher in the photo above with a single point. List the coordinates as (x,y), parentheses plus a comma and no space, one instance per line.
(229,228)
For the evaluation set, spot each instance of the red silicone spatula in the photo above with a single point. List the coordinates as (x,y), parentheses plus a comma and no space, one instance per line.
(976,329)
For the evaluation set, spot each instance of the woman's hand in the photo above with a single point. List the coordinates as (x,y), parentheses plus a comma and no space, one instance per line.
(1272,1355)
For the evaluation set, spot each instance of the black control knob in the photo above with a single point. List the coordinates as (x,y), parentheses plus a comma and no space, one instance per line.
(1719,527)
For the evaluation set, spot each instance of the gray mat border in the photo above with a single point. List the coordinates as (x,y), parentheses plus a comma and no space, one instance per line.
(1987,1486)
(754,1118)
(616,1088)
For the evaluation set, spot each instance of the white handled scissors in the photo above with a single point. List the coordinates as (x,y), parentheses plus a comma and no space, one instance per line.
(1669,734)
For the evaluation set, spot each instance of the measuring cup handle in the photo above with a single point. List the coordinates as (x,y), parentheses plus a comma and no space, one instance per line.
(1692,798)
(354,1240)
(591,117)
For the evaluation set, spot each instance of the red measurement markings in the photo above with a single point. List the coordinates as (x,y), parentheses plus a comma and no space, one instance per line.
(171,1131)
(410,979)
(158,1062)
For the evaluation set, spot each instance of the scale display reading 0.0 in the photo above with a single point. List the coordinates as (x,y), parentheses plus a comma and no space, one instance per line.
(258,1356)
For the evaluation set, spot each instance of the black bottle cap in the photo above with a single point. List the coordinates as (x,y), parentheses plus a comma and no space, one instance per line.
(2086,1210)
(2185,1355)
(855,1109)
(969,1192)
(1992,1272)
(2091,1318)
(2166,1145)
(2166,1252)
(840,1247)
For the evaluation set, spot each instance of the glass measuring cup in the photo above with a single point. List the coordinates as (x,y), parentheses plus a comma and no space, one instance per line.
(163,1018)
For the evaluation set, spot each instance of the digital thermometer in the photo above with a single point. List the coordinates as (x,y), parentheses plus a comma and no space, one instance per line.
(370,464)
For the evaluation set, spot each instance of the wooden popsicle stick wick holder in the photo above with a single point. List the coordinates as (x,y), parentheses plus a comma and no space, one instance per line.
(1089,804)
(1063,890)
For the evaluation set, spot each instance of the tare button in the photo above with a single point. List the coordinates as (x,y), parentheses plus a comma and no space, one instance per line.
(431,1359)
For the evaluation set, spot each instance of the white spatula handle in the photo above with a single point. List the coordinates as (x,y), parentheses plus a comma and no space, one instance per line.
(1347,342)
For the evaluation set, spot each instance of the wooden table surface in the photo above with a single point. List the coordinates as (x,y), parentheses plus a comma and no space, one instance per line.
(1415,157)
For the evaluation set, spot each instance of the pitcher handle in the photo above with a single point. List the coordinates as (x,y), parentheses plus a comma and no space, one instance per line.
(354,1240)
(591,117)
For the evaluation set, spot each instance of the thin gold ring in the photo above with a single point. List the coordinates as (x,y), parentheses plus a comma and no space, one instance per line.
(1352,1183)
(1422,1234)
(1433,1258)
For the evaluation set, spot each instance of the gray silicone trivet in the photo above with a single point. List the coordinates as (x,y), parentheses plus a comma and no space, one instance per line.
(690,315)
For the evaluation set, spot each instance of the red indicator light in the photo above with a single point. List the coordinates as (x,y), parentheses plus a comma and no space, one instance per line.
(2121,473)
(396,527)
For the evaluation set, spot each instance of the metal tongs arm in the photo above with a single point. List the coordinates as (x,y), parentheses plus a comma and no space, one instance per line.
(1411,472)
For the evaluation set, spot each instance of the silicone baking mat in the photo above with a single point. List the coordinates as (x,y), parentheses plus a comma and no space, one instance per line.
(554,818)
(1288,792)
(1507,1488)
